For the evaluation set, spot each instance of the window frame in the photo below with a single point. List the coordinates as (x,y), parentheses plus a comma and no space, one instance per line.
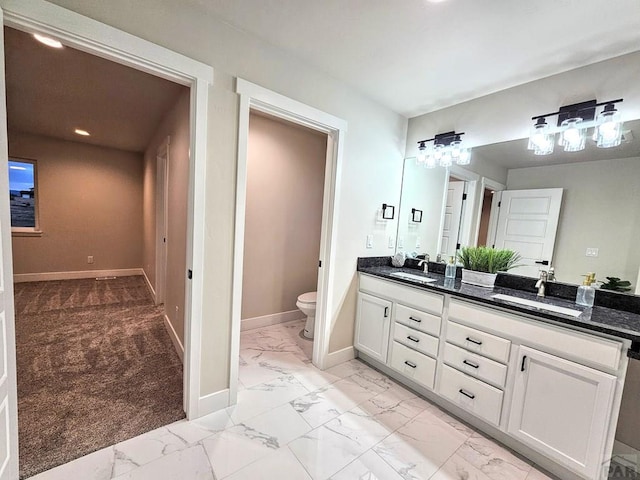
(34,231)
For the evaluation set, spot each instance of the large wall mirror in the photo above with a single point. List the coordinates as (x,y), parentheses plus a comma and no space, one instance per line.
(576,211)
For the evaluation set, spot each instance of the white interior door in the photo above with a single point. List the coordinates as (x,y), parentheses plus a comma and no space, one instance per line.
(451,222)
(8,386)
(527,224)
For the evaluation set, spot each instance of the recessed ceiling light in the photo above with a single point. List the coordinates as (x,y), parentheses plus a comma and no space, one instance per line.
(84,133)
(48,41)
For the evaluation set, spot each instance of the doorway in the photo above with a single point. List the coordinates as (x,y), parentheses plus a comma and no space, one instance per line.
(95,365)
(80,32)
(256,98)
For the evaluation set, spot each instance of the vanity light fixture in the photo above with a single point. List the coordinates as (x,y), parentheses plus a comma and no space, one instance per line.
(447,148)
(572,124)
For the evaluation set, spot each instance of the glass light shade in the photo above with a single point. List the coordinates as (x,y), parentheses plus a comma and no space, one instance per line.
(574,137)
(422,155)
(438,150)
(455,147)
(445,159)
(540,140)
(609,129)
(431,162)
(465,157)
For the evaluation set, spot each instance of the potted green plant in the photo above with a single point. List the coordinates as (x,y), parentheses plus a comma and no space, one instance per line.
(482,264)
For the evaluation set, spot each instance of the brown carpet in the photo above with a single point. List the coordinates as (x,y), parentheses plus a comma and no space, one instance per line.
(95,367)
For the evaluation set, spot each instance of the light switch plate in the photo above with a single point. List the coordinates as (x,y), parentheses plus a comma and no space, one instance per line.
(400,242)
(592,252)
(392,241)
(417,243)
(369,241)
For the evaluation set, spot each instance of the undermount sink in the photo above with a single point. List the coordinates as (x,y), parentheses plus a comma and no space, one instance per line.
(411,276)
(538,305)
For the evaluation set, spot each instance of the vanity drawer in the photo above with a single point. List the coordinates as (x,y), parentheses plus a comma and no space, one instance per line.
(425,322)
(470,394)
(416,340)
(414,365)
(475,365)
(479,342)
(407,295)
(571,344)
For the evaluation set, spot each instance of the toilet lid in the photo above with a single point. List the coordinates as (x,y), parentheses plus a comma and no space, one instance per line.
(309,297)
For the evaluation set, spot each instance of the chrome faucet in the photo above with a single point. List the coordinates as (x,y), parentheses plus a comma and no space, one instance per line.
(424,263)
(542,283)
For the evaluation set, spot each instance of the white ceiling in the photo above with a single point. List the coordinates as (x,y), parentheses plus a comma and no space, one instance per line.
(415,56)
(52,92)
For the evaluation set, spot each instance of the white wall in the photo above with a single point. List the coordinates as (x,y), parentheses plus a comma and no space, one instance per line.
(599,209)
(371,173)
(423,189)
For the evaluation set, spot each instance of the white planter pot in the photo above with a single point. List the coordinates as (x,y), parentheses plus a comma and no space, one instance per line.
(481,279)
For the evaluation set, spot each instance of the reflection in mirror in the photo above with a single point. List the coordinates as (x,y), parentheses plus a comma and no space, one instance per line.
(595,194)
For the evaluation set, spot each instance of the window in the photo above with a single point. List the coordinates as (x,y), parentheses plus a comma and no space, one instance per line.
(23,196)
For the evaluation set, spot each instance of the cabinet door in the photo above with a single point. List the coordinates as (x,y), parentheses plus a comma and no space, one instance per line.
(562,409)
(372,326)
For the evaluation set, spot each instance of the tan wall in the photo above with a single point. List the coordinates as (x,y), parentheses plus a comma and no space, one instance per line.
(89,204)
(285,184)
(175,124)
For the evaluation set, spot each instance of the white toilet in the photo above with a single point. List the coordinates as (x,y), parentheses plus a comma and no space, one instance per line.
(307,305)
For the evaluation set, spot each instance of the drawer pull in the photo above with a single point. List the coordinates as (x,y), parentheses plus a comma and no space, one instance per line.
(477,342)
(415,319)
(412,365)
(409,337)
(471,364)
(467,394)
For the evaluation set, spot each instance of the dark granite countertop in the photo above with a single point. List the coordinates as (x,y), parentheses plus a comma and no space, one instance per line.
(618,323)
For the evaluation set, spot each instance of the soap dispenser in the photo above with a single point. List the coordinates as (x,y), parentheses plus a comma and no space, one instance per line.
(586,292)
(450,270)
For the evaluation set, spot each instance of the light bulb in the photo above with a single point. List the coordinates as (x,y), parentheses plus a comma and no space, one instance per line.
(609,129)
(437,152)
(465,157)
(573,137)
(455,147)
(431,162)
(445,159)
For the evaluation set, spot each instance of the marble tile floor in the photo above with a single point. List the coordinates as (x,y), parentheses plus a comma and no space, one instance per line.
(293,421)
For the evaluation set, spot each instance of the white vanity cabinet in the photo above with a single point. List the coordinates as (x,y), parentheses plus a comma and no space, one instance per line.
(562,409)
(372,326)
(550,391)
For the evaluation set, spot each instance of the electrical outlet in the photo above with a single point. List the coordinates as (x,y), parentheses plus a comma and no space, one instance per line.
(90,259)
(392,241)
(369,241)
(177,309)
(418,243)
(400,242)
(592,252)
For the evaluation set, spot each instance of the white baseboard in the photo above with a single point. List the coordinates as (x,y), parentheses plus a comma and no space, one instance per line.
(273,319)
(212,403)
(40,277)
(177,344)
(151,289)
(341,356)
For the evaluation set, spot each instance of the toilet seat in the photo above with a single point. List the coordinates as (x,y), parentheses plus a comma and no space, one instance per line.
(308,298)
